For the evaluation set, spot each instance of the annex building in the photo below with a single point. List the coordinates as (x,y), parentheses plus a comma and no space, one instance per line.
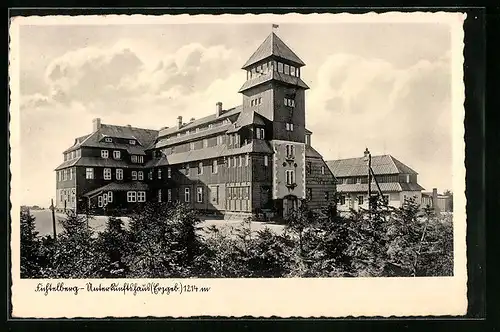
(246,159)
(397,181)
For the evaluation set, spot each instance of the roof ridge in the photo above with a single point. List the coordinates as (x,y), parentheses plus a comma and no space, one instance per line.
(128,127)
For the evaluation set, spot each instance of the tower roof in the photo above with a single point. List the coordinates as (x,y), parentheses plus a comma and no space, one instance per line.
(273,46)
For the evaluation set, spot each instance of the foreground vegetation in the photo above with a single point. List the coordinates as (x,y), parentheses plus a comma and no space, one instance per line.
(162,242)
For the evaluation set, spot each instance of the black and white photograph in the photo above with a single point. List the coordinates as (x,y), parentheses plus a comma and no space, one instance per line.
(238,165)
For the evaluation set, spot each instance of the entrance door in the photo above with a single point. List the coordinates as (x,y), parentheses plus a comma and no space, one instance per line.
(289,204)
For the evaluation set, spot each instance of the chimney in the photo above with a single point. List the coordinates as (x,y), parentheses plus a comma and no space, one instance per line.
(129,126)
(179,122)
(192,119)
(96,124)
(435,200)
(218,108)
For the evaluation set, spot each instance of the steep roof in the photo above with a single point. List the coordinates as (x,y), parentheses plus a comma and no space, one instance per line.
(97,162)
(255,146)
(273,46)
(384,186)
(116,186)
(384,164)
(201,121)
(245,118)
(312,153)
(144,137)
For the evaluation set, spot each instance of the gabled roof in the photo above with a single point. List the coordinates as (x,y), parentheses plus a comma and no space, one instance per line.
(201,121)
(273,75)
(117,186)
(312,153)
(273,46)
(255,146)
(192,136)
(144,137)
(385,164)
(98,162)
(384,187)
(245,118)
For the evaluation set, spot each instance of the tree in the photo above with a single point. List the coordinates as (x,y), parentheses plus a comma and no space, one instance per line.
(74,250)
(164,242)
(31,247)
(112,247)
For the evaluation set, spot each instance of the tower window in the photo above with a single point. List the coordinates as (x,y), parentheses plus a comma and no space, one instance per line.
(266,160)
(287,69)
(280,67)
(290,176)
(289,126)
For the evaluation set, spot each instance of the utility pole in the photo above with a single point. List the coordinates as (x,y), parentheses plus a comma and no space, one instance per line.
(368,158)
(53,218)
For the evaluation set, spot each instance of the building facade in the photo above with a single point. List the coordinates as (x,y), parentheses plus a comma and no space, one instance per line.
(438,202)
(397,181)
(246,159)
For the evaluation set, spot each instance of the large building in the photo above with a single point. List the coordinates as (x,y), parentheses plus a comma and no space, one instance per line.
(250,158)
(397,181)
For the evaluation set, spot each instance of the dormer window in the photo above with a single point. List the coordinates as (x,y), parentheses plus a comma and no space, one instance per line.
(131,142)
(287,69)
(108,140)
(116,154)
(137,159)
(210,126)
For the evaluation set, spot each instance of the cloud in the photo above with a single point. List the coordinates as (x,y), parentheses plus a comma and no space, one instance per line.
(362,102)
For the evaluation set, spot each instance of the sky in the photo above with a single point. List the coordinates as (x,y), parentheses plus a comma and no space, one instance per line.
(385,86)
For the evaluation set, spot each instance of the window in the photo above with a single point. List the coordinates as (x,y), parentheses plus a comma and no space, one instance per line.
(322,169)
(131,196)
(308,139)
(386,198)
(116,154)
(342,200)
(287,69)
(169,195)
(210,126)
(309,194)
(205,143)
(292,70)
(266,160)
(150,175)
(140,159)
(99,201)
(110,197)
(58,175)
(108,140)
(71,174)
(214,166)
(289,126)
(199,194)
(159,195)
(134,175)
(89,173)
(290,176)
(159,173)
(289,102)
(290,151)
(219,140)
(264,67)
(200,168)
(260,100)
(141,196)
(280,67)
(187,132)
(197,129)
(187,169)
(360,200)
(228,162)
(252,102)
(186,195)
(241,161)
(260,133)
(131,142)
(247,160)
(191,146)
(309,167)
(327,196)
(72,154)
(104,154)
(140,175)
(169,172)
(107,174)
(230,139)
(133,159)
(358,180)
(234,162)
